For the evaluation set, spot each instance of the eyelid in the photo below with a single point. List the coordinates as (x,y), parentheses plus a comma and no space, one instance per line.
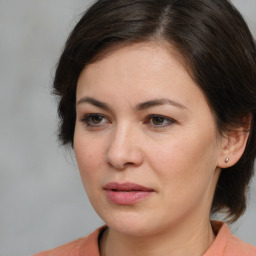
(86,120)
(170,121)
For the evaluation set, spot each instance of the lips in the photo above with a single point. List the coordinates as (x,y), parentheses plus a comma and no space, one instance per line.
(126,187)
(126,193)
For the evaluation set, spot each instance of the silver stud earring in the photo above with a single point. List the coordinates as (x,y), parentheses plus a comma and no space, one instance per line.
(226,160)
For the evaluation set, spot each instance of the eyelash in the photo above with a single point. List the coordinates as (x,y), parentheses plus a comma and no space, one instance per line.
(88,119)
(149,120)
(168,121)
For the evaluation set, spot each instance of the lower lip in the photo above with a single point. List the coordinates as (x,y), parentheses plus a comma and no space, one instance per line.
(127,198)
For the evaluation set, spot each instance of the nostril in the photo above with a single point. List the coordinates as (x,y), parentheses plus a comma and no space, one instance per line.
(122,154)
(128,163)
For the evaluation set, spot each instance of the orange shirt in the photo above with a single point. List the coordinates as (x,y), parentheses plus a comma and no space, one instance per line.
(225,244)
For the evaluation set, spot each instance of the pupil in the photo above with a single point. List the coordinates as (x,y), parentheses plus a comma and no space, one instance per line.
(158,120)
(96,119)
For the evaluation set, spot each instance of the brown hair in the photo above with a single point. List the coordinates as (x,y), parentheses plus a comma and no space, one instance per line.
(215,44)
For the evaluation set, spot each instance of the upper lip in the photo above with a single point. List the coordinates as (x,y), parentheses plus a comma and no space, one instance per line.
(127,186)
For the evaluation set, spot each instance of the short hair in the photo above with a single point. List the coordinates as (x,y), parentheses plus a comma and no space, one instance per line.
(217,48)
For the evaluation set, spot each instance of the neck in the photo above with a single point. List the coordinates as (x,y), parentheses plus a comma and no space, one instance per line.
(194,241)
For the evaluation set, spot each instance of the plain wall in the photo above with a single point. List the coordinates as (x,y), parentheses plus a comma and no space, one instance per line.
(42,200)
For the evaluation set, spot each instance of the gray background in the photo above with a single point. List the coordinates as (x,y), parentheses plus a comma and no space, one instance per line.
(41,197)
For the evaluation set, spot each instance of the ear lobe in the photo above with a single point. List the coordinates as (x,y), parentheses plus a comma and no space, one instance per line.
(234,143)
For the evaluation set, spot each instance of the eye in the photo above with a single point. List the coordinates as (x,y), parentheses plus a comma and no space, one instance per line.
(94,120)
(159,121)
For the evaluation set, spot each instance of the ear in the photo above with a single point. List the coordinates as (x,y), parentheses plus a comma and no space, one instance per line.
(234,142)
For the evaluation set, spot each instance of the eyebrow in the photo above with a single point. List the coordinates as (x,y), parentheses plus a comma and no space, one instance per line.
(139,107)
(94,102)
(159,102)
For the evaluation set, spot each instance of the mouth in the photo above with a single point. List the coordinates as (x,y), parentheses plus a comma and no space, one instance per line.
(126,193)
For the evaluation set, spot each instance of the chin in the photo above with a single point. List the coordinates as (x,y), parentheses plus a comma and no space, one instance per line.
(131,223)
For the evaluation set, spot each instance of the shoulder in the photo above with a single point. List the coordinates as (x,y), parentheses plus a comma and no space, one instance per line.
(226,244)
(236,246)
(83,246)
(69,249)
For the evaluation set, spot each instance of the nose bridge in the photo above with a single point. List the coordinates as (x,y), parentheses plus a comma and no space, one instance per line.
(123,147)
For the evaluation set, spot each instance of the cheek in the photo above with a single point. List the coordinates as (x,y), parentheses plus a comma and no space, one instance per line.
(89,164)
(187,176)
(185,163)
(89,157)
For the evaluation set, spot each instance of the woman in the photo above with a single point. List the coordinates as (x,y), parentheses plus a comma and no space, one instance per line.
(158,100)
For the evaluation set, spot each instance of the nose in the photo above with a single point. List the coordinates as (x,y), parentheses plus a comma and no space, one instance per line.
(124,149)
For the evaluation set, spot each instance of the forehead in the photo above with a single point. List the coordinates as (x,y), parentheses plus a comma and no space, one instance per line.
(150,45)
(138,73)
(141,61)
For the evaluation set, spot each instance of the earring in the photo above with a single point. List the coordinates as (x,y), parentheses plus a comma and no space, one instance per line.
(226,160)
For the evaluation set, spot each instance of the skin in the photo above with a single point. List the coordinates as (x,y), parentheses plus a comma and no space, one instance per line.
(178,156)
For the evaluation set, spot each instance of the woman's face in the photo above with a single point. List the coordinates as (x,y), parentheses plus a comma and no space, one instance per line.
(145,141)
